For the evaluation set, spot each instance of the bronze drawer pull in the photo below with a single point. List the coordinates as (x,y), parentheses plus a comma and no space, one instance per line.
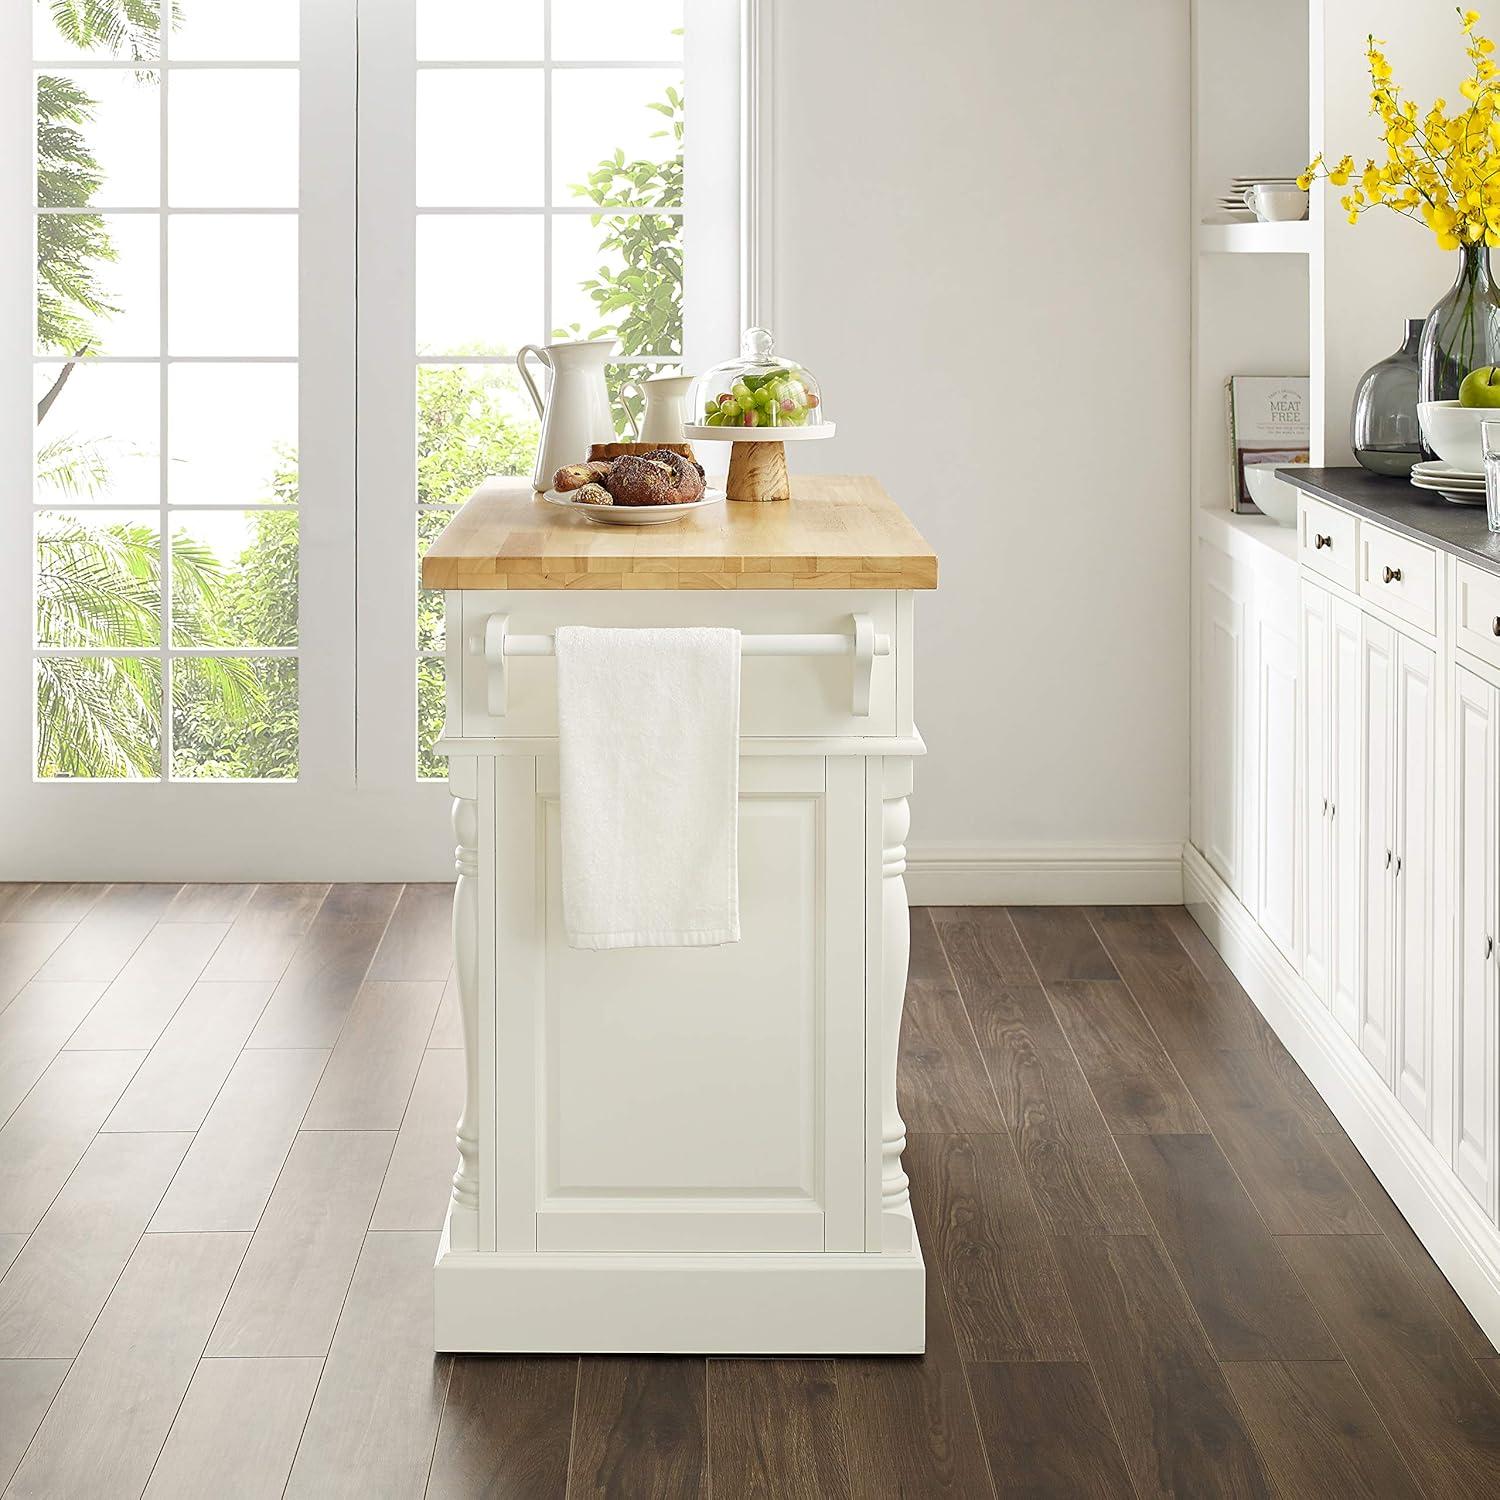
(1496,626)
(1320,540)
(1489,946)
(1393,575)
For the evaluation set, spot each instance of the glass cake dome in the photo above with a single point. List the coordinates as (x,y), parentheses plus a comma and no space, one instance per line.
(759,389)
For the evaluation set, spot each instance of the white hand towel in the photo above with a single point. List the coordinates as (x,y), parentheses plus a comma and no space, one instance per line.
(649,745)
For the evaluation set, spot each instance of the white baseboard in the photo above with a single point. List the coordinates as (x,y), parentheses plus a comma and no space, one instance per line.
(1044,875)
(1455,1230)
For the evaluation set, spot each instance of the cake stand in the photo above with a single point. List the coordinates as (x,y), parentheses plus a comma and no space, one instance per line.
(757,462)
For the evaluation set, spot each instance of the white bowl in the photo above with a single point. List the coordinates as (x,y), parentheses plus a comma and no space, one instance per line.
(1276,497)
(1452,432)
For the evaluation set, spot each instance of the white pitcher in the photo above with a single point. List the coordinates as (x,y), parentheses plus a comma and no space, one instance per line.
(662,416)
(575,412)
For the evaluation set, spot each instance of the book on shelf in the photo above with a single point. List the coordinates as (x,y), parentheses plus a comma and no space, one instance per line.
(1268,424)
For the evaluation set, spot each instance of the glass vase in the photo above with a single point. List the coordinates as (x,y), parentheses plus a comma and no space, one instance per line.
(1383,430)
(1462,331)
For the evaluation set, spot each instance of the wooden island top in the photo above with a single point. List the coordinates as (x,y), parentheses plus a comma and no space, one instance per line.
(836,532)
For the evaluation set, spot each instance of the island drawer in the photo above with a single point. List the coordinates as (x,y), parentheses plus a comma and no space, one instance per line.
(1399,574)
(792,694)
(1476,598)
(1327,539)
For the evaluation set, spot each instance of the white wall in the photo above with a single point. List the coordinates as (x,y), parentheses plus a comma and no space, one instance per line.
(981,234)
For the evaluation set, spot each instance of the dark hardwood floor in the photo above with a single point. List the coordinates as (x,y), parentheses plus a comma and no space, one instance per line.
(1157,1266)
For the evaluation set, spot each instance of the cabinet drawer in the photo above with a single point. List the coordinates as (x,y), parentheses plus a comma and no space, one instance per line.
(1398,574)
(1477,613)
(780,696)
(1327,540)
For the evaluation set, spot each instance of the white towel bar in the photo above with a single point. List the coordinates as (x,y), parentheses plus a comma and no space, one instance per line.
(497,644)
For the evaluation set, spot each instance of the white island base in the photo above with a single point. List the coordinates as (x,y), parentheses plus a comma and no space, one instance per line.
(686,1150)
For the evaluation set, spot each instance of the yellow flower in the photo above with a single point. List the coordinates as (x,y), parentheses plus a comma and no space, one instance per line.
(1469,88)
(1470,18)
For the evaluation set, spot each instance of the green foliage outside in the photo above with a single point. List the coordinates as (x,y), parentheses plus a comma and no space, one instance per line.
(99,584)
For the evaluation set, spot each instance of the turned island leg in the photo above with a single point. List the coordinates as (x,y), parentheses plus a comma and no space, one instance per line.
(895,1211)
(463,1216)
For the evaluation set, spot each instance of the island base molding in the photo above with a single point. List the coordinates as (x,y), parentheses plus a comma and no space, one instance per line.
(1450,1224)
(774,1303)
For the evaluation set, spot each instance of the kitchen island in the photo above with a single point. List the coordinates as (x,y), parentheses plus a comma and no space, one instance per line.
(686,1149)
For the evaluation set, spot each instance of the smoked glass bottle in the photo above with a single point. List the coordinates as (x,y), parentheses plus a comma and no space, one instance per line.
(1383,430)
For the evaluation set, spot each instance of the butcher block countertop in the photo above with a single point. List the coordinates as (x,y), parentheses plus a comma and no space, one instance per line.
(840,532)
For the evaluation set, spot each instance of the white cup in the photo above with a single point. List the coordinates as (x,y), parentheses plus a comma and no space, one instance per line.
(1276,205)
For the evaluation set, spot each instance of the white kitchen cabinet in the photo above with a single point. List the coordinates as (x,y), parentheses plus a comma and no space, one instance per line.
(1415,878)
(1476,834)
(1376,814)
(1317,721)
(1221,698)
(1271,818)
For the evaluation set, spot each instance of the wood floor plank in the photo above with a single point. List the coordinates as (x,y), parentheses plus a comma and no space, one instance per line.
(1289,1175)
(1046,1433)
(1317,1431)
(24,948)
(33,1028)
(13,897)
(639,1429)
(313,999)
(1184,1010)
(143,998)
(375,901)
(981,1233)
(1061,944)
(10,1247)
(418,1181)
(286,1298)
(941,1082)
(506,1429)
(908,1424)
(1137,1089)
(206,902)
(373,1423)
(1292,1079)
(418,943)
(103,1432)
(1424,1269)
(1072,1167)
(370,1075)
(105,937)
(447,1027)
(773,1430)
(235,1158)
(1250,1303)
(1005,958)
(27,1387)
(54,901)
(1179,1430)
(266,932)
(52,1294)
(237,1430)
(180,1079)
(50,1130)
(1442,1412)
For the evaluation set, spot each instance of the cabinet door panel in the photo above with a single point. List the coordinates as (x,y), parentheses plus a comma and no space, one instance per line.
(1221,667)
(1377,743)
(1415,877)
(1474,837)
(1316,718)
(1344,815)
(1275,861)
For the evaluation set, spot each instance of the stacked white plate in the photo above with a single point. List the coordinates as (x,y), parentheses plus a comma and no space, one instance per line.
(1461,486)
(1233,201)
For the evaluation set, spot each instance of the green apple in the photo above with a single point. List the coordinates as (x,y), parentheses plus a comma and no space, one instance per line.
(1481,387)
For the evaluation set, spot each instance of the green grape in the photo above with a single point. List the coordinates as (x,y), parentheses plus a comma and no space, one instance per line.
(739,388)
(747,402)
(715,419)
(729,406)
(764,397)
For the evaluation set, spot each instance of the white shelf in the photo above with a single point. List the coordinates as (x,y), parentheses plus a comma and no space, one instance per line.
(1255,239)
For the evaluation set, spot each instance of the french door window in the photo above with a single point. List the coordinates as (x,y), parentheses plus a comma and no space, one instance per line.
(285,253)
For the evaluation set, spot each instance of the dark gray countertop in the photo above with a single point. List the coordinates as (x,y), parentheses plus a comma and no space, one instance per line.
(1459,529)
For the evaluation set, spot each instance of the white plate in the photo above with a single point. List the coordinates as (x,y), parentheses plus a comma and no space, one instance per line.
(1438,469)
(699,433)
(632,515)
(1445,482)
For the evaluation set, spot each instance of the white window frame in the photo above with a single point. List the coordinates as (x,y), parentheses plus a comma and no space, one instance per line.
(356,810)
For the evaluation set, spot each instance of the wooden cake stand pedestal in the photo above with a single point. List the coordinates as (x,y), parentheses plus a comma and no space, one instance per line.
(757,462)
